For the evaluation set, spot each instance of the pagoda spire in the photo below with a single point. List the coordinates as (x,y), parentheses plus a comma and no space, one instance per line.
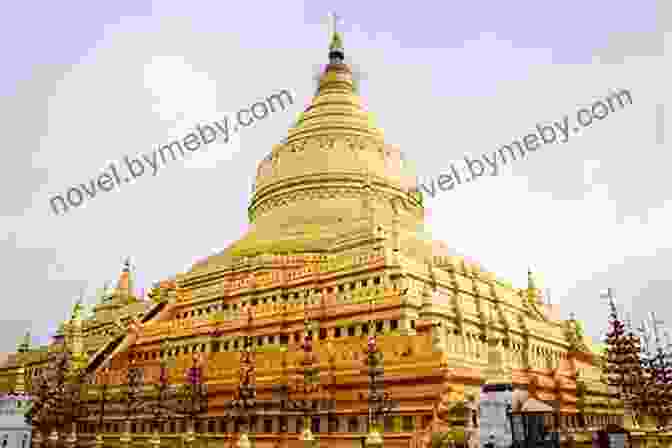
(336,52)
(102,294)
(530,280)
(533,293)
(24,345)
(609,295)
(125,282)
(77,309)
(337,76)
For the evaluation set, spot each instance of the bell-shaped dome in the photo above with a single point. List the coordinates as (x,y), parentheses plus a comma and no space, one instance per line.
(332,180)
(334,149)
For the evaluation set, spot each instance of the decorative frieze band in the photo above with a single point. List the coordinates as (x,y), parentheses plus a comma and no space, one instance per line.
(322,192)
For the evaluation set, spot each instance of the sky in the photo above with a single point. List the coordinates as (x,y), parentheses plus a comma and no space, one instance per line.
(84,85)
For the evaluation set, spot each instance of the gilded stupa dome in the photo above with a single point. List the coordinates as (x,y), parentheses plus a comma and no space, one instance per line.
(333,180)
(334,147)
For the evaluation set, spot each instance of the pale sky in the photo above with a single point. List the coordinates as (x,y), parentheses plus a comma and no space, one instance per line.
(83,85)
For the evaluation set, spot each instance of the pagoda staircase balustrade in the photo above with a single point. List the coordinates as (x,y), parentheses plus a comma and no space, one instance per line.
(104,352)
(153,312)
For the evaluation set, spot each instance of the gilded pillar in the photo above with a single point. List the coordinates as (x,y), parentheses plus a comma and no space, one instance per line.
(374,439)
(307,436)
(126,440)
(244,441)
(405,327)
(396,235)
(155,441)
(189,437)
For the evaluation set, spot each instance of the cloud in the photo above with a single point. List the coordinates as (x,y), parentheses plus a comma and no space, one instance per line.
(194,102)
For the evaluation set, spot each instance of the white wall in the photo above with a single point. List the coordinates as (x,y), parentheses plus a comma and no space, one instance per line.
(13,428)
(493,418)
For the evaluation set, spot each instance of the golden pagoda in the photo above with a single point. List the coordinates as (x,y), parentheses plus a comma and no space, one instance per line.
(329,238)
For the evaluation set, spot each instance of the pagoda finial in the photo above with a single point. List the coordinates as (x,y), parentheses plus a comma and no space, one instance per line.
(102,293)
(77,309)
(125,282)
(336,53)
(609,295)
(530,279)
(24,345)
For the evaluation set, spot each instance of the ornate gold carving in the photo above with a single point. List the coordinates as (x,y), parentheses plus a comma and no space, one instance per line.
(270,203)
